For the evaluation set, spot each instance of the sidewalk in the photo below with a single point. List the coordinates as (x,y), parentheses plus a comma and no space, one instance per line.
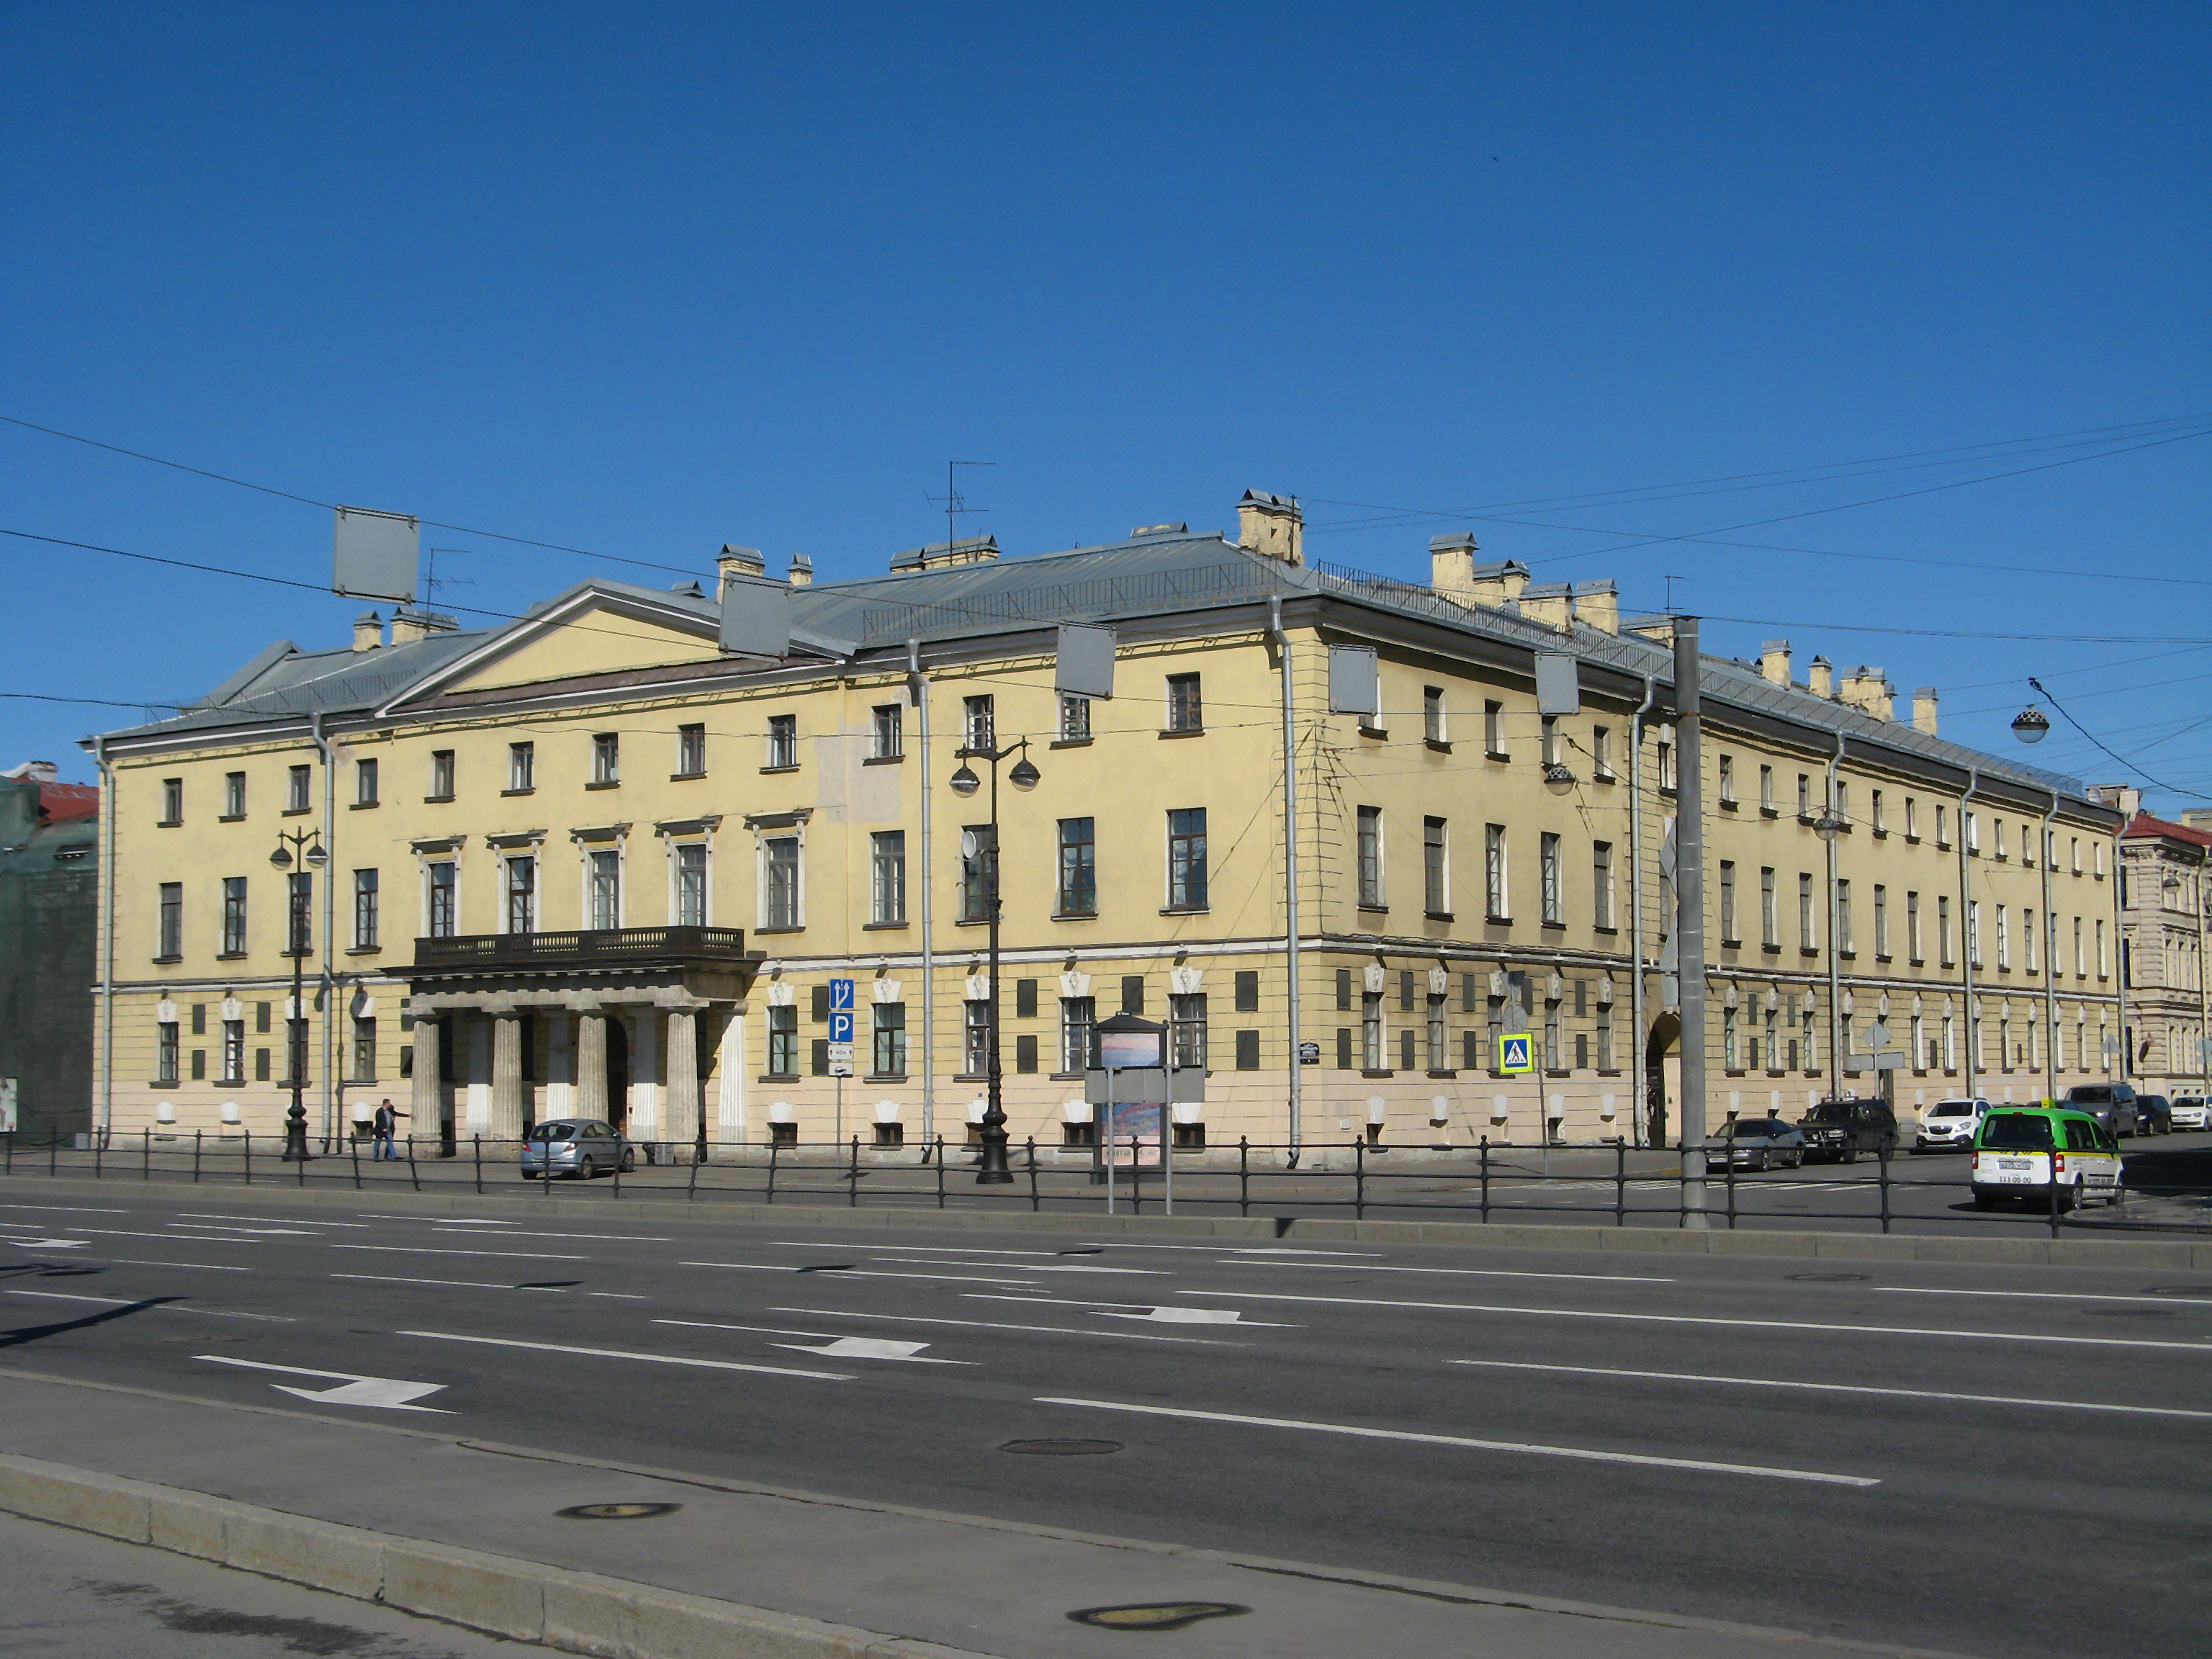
(737,1570)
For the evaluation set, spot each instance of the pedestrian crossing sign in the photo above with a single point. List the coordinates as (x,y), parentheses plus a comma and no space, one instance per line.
(1513,1053)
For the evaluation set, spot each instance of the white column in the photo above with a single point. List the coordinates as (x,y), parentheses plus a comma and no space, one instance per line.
(504,1109)
(683,1130)
(479,1084)
(730,1092)
(560,1065)
(645,1076)
(591,1064)
(428,1107)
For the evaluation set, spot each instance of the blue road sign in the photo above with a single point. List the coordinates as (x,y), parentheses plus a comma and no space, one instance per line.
(1515,1053)
(841,994)
(840,1025)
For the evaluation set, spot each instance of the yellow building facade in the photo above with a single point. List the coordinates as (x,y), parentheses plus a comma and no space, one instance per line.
(591,862)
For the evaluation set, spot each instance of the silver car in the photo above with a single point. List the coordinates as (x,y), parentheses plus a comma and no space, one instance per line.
(1755,1143)
(575,1146)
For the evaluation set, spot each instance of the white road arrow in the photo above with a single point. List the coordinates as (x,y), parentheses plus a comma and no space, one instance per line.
(46,1243)
(871,1347)
(1193,1316)
(390,1393)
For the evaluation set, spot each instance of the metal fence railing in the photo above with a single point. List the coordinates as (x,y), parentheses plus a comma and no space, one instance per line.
(1610,1183)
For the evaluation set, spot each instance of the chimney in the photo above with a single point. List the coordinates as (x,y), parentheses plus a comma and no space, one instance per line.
(1272,525)
(1659,630)
(1550,603)
(2197,818)
(1597,604)
(1923,710)
(408,626)
(1822,676)
(1774,661)
(367,631)
(735,561)
(941,556)
(802,570)
(1454,575)
(1868,689)
(2123,797)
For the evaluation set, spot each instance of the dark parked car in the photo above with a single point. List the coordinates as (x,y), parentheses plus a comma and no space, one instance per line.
(2113,1104)
(1842,1129)
(2153,1115)
(1755,1143)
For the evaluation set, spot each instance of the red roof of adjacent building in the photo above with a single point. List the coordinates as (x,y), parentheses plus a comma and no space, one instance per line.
(60,803)
(2142,825)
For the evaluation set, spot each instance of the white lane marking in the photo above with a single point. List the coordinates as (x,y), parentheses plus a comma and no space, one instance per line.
(850,1273)
(64,1209)
(995,1325)
(458,1221)
(1473,1273)
(1018,1267)
(157,1307)
(1142,1311)
(166,1239)
(219,1232)
(1231,1249)
(620,1295)
(841,1347)
(581,1238)
(203,1267)
(1832,1387)
(1528,1447)
(1693,1319)
(386,1393)
(47,1244)
(207,1215)
(624,1353)
(454,1284)
(427,1249)
(877,1244)
(2040,1295)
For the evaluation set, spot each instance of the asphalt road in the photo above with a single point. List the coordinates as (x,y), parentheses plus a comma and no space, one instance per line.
(1911,1453)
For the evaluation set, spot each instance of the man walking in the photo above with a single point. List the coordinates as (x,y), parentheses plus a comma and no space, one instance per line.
(386,1122)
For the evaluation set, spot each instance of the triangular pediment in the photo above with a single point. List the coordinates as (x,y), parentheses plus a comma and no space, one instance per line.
(586,634)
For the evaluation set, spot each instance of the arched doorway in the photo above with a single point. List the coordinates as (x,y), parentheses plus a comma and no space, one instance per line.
(617,1071)
(1666,1033)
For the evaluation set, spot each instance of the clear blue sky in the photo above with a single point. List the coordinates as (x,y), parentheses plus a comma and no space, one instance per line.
(642,279)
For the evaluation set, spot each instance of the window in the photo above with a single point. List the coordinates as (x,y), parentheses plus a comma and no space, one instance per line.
(1730,1059)
(1997,824)
(606,758)
(1495,895)
(234,1051)
(1844,918)
(1843,801)
(1077,1015)
(521,767)
(1548,865)
(364,885)
(1605,1036)
(234,805)
(299,888)
(1432,713)
(888,728)
(978,724)
(170,934)
(1882,921)
(298,788)
(1079,868)
(1187,858)
(1370,852)
(691,883)
(2080,962)
(1766,790)
(2028,939)
(1666,763)
(1808,938)
(887,877)
(1912,819)
(1601,753)
(978,873)
(441,774)
(1974,932)
(1943,929)
(1554,1060)
(1942,832)
(364,1051)
(1132,993)
(1728,779)
(2104,968)
(166,1051)
(1186,1029)
(1436,870)
(1770,925)
(1773,1032)
(1247,991)
(1970,826)
(780,885)
(1074,720)
(1493,730)
(1549,743)
(1602,883)
(604,870)
(443,891)
(783,1040)
(2077,840)
(782,743)
(1913,925)
(2004,940)
(891,1039)
(1185,713)
(976,1038)
(691,751)
(364,783)
(1439,1053)
(1881,828)
(173,800)
(1728,899)
(1804,796)
(234,915)
(1370,1029)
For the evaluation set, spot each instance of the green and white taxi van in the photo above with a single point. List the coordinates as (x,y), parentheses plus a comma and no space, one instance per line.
(2060,1157)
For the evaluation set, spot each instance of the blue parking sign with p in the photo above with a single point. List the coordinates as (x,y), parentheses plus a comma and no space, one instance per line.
(1515,1053)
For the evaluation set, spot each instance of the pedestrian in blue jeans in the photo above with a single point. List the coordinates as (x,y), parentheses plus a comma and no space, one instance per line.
(387,1116)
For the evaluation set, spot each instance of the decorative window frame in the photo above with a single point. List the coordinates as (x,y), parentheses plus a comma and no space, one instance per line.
(601,838)
(437,849)
(767,826)
(689,832)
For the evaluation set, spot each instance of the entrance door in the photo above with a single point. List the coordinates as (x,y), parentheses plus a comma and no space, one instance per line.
(617,1072)
(1664,1030)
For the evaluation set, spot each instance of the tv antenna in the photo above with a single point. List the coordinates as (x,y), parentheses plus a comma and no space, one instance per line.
(432,582)
(955,504)
(1671,581)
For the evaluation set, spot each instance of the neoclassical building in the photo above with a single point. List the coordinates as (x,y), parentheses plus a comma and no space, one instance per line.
(607,857)
(2166,905)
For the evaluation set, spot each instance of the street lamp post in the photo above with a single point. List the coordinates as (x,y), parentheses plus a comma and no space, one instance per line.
(309,846)
(991,1169)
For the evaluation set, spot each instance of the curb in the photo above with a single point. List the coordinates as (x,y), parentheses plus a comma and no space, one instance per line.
(2014,1251)
(574,1611)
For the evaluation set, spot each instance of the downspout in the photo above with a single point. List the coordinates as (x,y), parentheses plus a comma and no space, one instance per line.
(1290,877)
(329,921)
(2043,851)
(920,699)
(1835,944)
(2121,955)
(108,803)
(1636,994)
(2204,1007)
(1969,935)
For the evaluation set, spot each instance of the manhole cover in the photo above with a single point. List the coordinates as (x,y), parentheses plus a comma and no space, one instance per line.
(616,1512)
(2202,1292)
(1828,1279)
(1155,1615)
(2130,1313)
(1061,1448)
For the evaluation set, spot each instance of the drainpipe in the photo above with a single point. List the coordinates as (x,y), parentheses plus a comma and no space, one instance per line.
(2121,955)
(1636,905)
(2204,1007)
(1290,875)
(329,921)
(1835,944)
(2043,851)
(1690,928)
(108,804)
(928,883)
(1969,936)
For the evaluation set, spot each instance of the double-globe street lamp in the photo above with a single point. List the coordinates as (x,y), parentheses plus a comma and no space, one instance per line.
(308,843)
(981,850)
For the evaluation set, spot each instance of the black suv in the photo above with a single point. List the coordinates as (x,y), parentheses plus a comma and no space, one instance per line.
(1842,1129)
(2113,1104)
